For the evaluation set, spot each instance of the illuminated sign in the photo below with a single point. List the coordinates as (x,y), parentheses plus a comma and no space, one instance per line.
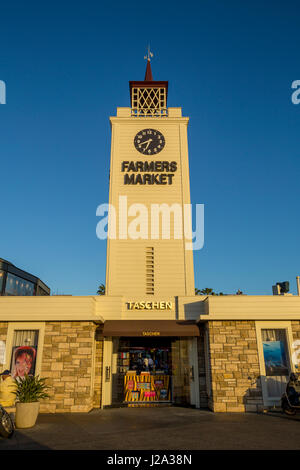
(162,305)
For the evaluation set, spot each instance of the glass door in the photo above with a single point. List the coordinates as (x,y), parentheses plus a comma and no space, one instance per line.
(276,363)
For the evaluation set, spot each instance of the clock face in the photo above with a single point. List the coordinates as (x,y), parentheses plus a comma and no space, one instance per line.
(149,141)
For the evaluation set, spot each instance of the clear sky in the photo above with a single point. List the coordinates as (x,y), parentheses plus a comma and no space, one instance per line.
(230,66)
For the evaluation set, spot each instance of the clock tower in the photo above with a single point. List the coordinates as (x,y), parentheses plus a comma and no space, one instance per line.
(149,186)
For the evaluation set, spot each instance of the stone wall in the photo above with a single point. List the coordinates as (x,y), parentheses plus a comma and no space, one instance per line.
(234,367)
(68,364)
(295,329)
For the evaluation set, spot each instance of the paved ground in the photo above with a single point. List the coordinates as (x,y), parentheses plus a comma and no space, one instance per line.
(158,428)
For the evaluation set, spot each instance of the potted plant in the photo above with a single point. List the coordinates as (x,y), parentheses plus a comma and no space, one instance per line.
(30,389)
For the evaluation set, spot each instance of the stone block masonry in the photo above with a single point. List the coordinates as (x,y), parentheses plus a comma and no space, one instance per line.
(234,367)
(296,330)
(69,365)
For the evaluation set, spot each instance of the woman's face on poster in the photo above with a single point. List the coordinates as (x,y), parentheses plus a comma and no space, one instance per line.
(23,364)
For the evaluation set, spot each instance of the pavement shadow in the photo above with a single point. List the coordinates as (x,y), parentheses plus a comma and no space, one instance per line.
(21,441)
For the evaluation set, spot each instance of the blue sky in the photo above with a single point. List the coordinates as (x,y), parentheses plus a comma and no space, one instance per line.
(230,65)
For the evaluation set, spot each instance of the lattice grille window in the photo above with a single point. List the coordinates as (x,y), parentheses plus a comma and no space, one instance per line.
(149,102)
(150,270)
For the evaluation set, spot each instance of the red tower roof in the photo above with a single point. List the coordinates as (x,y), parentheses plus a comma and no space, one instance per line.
(148,74)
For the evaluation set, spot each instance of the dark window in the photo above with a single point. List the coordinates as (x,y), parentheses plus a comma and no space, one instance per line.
(17,286)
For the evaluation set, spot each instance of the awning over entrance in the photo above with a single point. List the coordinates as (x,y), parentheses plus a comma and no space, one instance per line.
(148,328)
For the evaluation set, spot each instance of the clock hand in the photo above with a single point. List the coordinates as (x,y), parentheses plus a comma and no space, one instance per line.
(146,142)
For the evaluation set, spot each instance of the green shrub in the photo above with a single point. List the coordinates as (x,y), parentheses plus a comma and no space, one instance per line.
(30,388)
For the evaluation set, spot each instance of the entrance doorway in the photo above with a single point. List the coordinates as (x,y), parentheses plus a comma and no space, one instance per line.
(144,371)
(151,372)
(274,340)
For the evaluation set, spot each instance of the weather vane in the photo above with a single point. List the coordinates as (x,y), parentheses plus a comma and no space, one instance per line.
(149,54)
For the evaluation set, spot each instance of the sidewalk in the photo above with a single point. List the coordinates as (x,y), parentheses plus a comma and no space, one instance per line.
(158,428)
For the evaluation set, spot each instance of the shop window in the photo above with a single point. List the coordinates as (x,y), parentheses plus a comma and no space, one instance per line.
(151,371)
(276,361)
(17,286)
(275,352)
(24,352)
(143,371)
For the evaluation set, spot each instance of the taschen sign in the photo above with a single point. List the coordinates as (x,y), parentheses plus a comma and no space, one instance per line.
(150,333)
(144,305)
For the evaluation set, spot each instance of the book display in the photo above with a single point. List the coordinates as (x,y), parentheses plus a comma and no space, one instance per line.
(146,388)
(144,373)
(123,362)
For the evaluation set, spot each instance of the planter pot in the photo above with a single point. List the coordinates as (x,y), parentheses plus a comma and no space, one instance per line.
(26,414)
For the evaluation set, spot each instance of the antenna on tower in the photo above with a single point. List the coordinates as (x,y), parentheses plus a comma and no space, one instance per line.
(149,54)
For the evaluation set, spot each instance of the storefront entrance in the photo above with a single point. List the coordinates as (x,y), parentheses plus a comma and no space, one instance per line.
(150,371)
(144,371)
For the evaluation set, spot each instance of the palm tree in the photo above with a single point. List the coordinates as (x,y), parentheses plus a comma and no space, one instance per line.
(101,289)
(206,291)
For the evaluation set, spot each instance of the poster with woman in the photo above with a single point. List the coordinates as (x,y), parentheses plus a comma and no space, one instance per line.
(23,361)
